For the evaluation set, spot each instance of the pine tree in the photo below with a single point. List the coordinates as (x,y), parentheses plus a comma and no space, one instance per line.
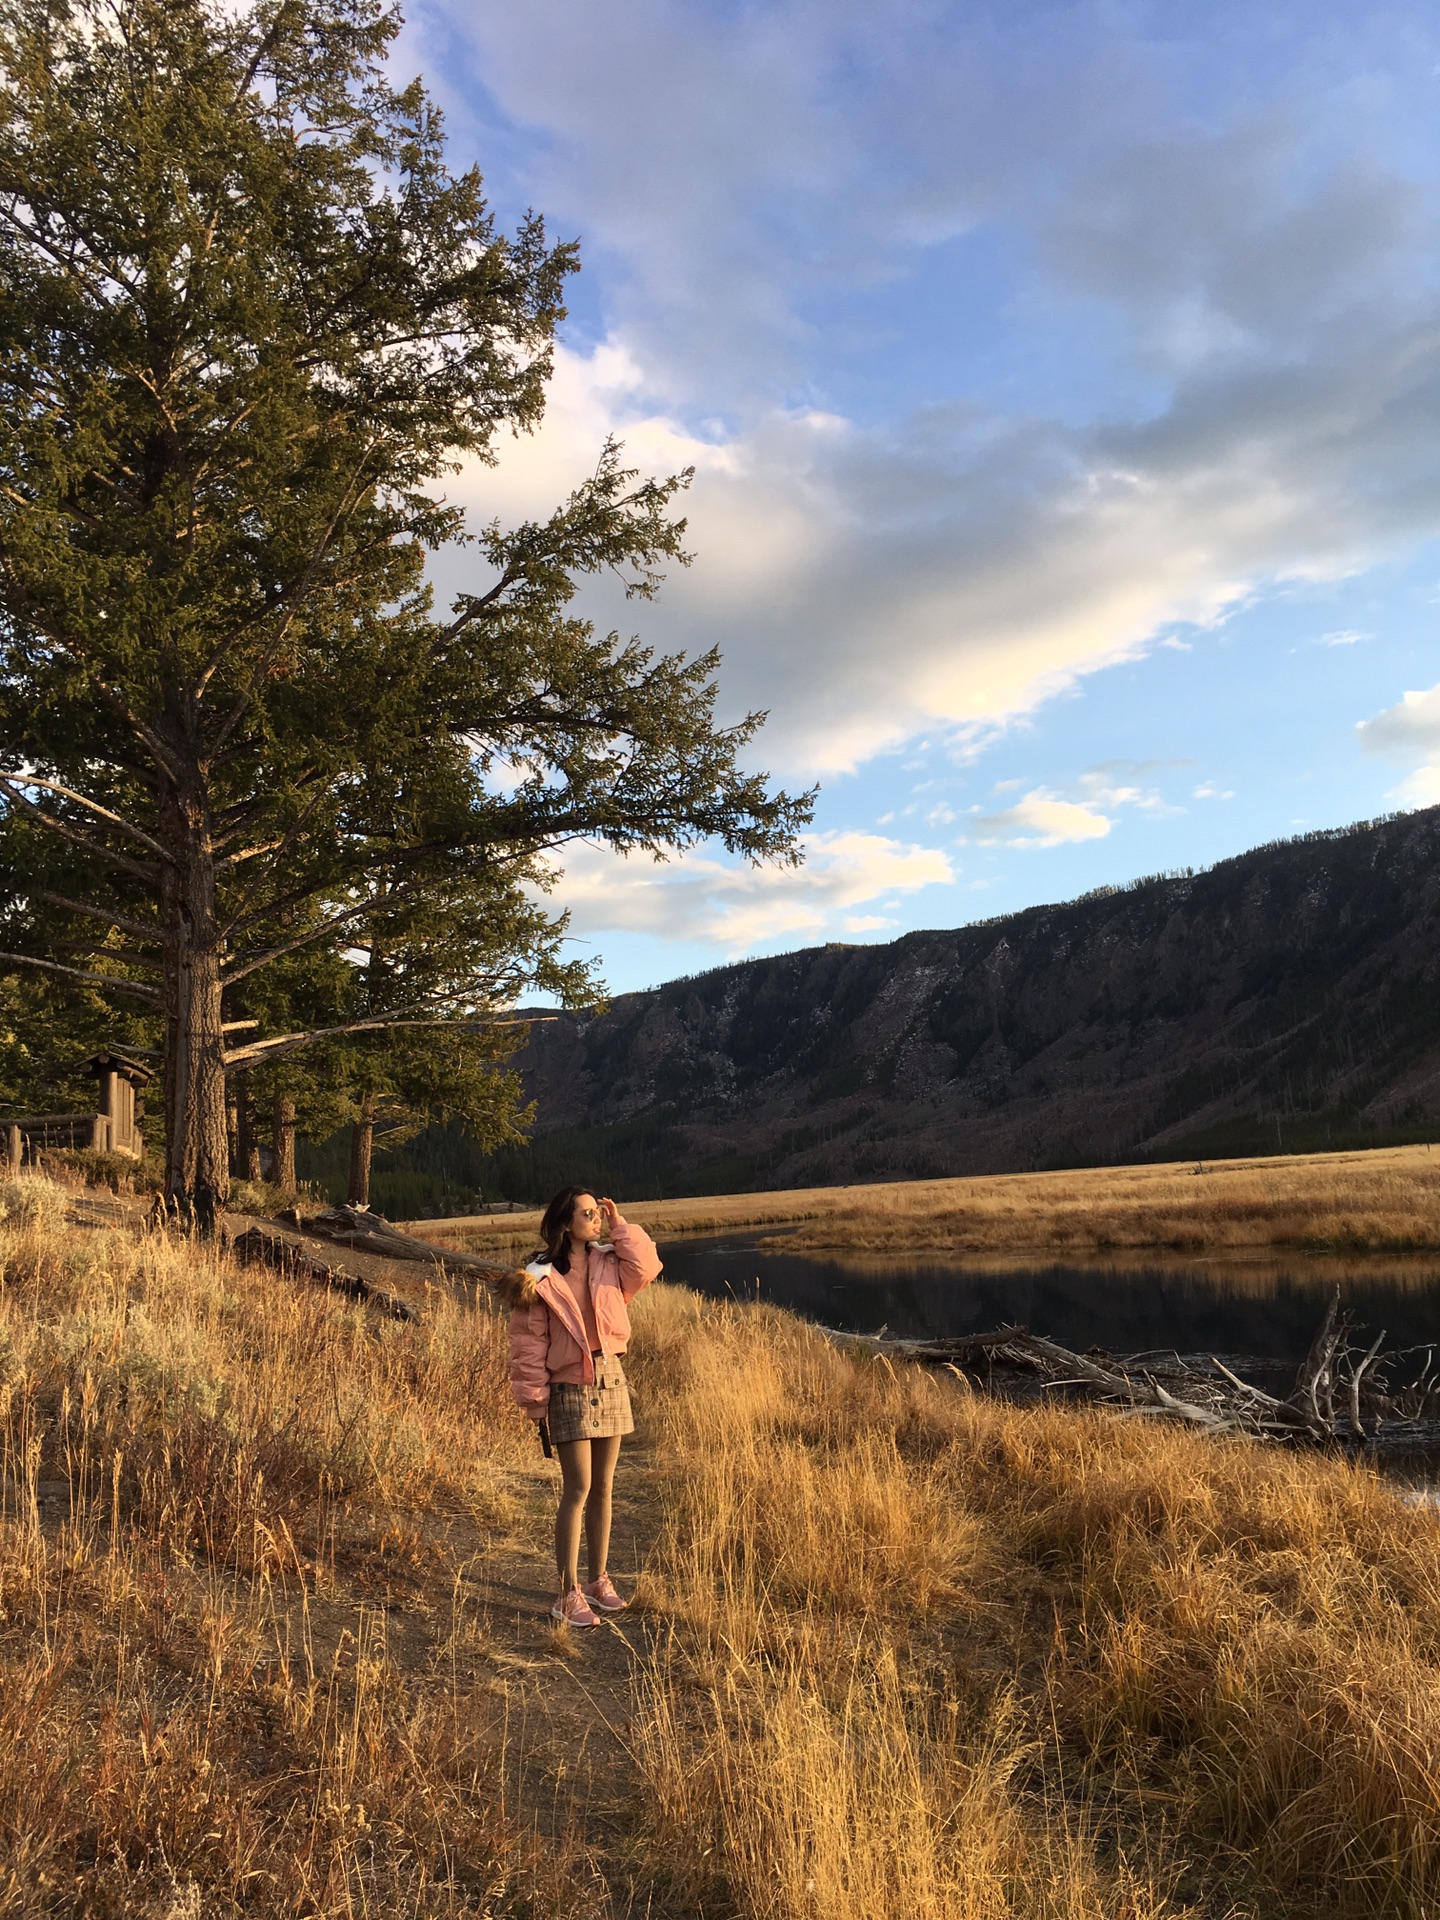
(249,320)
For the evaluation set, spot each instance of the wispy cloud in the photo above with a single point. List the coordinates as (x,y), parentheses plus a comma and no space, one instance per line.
(865,586)
(1047,818)
(698,897)
(1410,730)
(1041,819)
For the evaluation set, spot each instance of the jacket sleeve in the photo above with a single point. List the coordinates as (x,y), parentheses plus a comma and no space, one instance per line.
(529,1343)
(640,1263)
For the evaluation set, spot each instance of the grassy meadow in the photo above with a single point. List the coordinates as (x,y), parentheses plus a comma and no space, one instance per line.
(273,1578)
(1385,1200)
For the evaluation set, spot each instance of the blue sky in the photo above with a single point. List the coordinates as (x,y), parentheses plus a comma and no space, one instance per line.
(1063,388)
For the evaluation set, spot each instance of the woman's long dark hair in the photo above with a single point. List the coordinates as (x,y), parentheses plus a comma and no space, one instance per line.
(555,1228)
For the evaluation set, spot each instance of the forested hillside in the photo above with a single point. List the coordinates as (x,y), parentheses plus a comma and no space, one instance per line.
(1283,999)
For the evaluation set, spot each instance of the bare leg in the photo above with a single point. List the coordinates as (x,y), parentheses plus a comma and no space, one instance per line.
(574,1493)
(603,1455)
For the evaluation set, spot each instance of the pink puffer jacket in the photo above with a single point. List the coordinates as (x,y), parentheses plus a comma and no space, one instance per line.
(547,1336)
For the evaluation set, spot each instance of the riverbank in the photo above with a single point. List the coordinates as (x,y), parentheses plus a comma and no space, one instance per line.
(1383,1201)
(1386,1200)
(273,1578)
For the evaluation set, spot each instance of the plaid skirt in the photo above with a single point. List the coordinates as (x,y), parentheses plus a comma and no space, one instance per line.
(595,1412)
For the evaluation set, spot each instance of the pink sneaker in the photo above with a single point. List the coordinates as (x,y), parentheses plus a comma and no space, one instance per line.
(572,1610)
(601,1593)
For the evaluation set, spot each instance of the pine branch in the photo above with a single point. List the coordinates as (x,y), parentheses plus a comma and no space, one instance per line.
(345,506)
(248,853)
(134,927)
(93,806)
(252,963)
(135,868)
(378,1023)
(246,911)
(77,973)
(45,625)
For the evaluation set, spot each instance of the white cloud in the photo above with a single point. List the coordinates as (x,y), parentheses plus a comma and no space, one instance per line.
(1208,790)
(867,585)
(1115,783)
(1041,819)
(1343,637)
(700,898)
(1410,730)
(1244,277)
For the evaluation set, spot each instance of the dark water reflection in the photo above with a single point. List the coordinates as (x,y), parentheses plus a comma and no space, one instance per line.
(1266,1309)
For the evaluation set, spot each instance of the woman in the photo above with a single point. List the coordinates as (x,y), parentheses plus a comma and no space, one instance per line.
(567,1332)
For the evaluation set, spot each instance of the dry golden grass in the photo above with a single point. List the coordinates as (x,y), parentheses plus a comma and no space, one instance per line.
(903,1650)
(197,1466)
(938,1655)
(1384,1200)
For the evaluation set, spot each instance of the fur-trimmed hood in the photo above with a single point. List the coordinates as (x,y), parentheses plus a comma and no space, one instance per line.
(520,1287)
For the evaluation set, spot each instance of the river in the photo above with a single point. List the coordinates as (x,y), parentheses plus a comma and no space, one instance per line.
(1265,1308)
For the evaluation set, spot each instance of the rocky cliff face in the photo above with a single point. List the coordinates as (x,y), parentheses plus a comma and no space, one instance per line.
(1282,998)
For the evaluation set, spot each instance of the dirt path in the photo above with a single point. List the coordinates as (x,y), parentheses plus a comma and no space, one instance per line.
(456,1592)
(570,1692)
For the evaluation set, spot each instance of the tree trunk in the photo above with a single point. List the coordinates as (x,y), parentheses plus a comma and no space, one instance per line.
(197,1146)
(283,1171)
(362,1143)
(247,1138)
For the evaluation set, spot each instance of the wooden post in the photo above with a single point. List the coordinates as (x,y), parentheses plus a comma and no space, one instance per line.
(15,1148)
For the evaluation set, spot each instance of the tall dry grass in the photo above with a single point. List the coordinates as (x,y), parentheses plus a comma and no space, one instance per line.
(937,1655)
(203,1473)
(901,1649)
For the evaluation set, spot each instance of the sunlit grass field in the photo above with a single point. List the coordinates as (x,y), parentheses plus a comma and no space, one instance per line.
(1385,1200)
(899,1649)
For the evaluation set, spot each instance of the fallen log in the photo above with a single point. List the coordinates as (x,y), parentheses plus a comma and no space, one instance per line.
(372,1233)
(254,1247)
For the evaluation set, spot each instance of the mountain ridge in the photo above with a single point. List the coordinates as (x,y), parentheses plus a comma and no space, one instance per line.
(1286,998)
(1291,987)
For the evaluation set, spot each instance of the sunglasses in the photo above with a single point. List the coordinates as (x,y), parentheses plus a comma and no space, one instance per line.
(592,1213)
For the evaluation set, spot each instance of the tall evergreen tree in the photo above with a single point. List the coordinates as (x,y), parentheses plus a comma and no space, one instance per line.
(248,321)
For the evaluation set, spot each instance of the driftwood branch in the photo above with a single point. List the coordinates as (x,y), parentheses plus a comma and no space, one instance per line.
(1339,1393)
